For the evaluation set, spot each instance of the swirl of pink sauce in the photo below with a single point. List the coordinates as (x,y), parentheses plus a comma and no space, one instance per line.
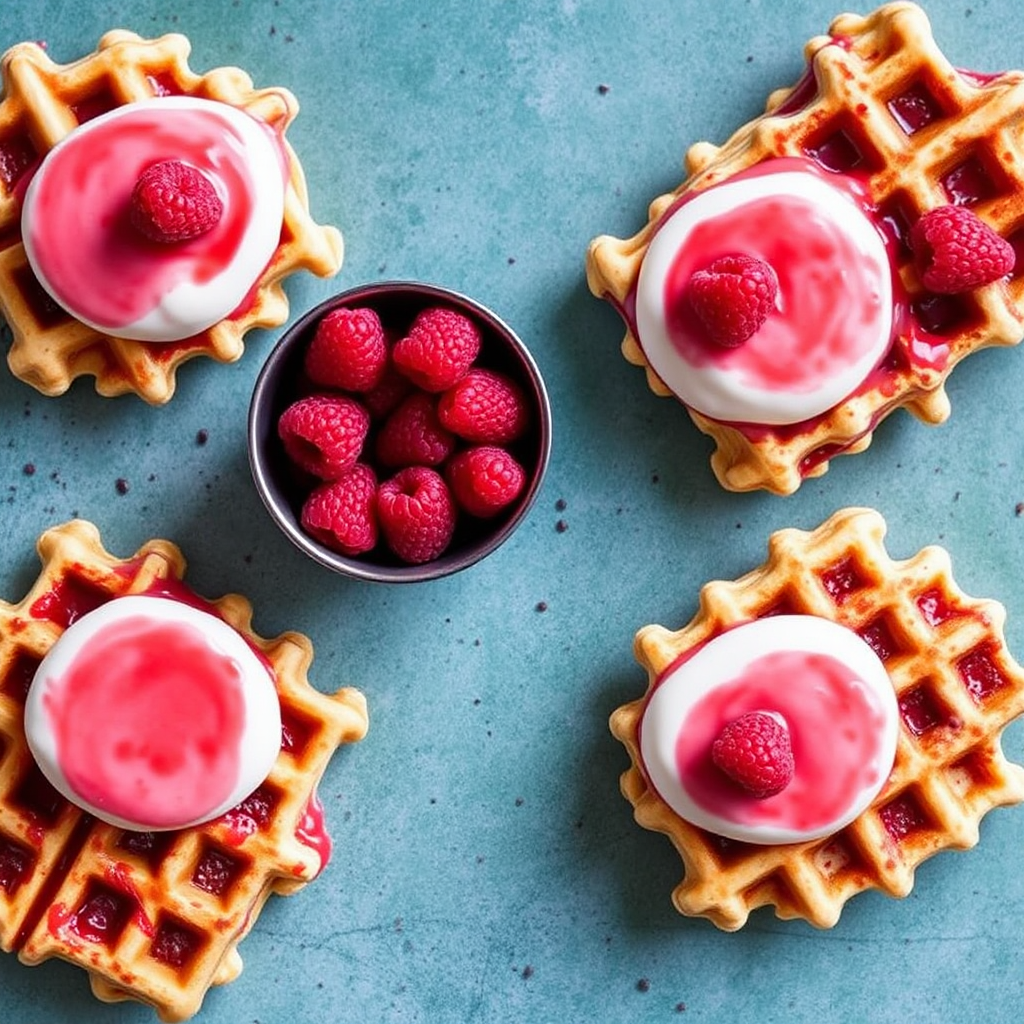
(834,728)
(149,723)
(827,685)
(87,255)
(834,314)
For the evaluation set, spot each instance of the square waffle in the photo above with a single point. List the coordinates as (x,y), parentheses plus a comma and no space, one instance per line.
(881,102)
(40,103)
(957,687)
(154,917)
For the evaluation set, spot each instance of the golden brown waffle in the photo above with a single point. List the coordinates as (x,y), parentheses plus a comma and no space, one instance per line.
(957,687)
(40,103)
(846,113)
(155,917)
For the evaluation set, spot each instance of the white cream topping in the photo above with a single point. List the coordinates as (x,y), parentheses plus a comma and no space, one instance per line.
(720,662)
(191,306)
(261,736)
(719,388)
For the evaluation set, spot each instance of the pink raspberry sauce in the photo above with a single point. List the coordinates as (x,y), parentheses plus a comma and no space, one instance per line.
(816,332)
(151,701)
(835,728)
(81,220)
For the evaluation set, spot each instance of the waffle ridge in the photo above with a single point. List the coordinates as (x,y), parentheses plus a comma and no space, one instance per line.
(154,917)
(957,687)
(40,103)
(855,72)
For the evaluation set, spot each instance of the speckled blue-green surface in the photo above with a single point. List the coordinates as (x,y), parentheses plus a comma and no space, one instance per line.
(486,867)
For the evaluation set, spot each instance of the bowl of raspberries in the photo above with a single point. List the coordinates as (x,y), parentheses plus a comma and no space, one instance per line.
(399,432)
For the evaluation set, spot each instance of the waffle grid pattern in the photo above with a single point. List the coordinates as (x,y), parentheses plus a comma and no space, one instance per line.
(41,102)
(957,687)
(885,104)
(154,917)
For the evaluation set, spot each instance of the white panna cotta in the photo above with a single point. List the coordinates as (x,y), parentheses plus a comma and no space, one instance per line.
(152,714)
(826,684)
(83,249)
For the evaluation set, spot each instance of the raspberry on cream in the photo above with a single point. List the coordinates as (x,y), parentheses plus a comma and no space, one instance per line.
(833,316)
(83,248)
(822,680)
(152,714)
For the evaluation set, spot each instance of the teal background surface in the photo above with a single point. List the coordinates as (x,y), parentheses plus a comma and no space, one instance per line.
(486,867)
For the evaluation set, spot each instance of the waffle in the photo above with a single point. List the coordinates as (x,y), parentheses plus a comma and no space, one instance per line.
(845,113)
(154,917)
(957,688)
(40,103)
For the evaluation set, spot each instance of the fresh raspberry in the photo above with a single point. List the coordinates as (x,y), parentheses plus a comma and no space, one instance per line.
(349,350)
(324,434)
(733,297)
(173,202)
(754,751)
(388,393)
(439,348)
(413,436)
(342,514)
(485,408)
(485,479)
(417,515)
(955,251)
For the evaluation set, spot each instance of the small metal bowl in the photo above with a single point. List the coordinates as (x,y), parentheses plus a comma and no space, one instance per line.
(282,381)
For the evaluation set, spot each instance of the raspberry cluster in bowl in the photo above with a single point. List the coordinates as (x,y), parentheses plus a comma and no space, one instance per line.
(399,432)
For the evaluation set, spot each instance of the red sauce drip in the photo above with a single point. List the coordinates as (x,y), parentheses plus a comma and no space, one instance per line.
(101,918)
(216,872)
(119,877)
(879,638)
(969,183)
(16,863)
(68,601)
(250,816)
(175,943)
(17,156)
(841,580)
(980,673)
(312,831)
(935,609)
(42,904)
(914,109)
(902,817)
(919,711)
(294,735)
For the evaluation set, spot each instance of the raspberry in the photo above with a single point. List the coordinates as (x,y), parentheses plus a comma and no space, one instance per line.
(348,351)
(173,202)
(323,434)
(388,393)
(417,515)
(413,436)
(439,348)
(342,514)
(955,251)
(732,297)
(484,407)
(485,479)
(754,751)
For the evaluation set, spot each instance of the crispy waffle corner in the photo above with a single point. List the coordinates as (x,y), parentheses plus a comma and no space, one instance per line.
(40,103)
(844,110)
(153,917)
(957,687)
